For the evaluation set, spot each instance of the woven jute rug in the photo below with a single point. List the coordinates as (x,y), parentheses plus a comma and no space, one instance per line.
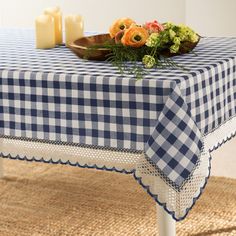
(54,200)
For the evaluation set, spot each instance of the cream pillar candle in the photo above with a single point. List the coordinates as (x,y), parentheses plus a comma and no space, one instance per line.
(45,32)
(57,16)
(74,27)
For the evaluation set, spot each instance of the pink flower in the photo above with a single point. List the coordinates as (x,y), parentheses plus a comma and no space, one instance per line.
(119,36)
(154,27)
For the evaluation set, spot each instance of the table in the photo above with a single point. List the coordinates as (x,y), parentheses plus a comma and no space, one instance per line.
(59,109)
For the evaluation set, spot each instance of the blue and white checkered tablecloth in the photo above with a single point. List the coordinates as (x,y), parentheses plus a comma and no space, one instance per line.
(52,95)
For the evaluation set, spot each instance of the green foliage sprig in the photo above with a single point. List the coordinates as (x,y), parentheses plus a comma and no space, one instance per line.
(156,53)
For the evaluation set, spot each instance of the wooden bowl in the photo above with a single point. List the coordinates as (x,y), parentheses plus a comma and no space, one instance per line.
(82,47)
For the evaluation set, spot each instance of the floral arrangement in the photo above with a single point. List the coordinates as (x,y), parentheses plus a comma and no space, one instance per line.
(152,44)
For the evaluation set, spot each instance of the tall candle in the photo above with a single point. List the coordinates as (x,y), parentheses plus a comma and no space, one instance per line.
(57,16)
(45,32)
(74,27)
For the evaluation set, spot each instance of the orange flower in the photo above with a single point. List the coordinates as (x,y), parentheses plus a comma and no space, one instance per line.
(135,36)
(120,24)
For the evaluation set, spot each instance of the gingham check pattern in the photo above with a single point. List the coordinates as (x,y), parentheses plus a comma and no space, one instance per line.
(175,134)
(53,95)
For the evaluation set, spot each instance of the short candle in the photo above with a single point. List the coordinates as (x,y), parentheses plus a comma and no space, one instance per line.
(74,27)
(45,32)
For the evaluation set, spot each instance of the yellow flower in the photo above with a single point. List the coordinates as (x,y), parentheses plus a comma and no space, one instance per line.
(135,36)
(120,24)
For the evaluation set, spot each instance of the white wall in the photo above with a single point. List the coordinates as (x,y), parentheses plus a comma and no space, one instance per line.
(98,15)
(208,17)
(212,17)
(224,160)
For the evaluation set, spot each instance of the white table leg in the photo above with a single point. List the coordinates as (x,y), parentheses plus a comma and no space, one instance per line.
(166,224)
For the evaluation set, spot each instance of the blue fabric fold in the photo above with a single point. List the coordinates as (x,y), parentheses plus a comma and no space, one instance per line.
(175,144)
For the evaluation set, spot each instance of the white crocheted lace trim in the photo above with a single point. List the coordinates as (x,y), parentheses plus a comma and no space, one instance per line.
(177,203)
